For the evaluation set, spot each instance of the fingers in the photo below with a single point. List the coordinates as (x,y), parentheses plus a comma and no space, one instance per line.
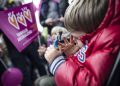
(66,44)
(71,39)
(65,41)
(61,44)
(50,47)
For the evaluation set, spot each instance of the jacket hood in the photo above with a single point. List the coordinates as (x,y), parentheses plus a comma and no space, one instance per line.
(112,17)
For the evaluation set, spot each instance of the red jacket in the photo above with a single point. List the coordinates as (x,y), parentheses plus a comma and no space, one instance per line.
(93,63)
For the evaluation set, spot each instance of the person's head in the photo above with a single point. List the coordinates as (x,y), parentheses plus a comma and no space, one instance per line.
(85,16)
(55,31)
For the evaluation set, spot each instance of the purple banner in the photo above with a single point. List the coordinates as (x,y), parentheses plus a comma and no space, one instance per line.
(19,25)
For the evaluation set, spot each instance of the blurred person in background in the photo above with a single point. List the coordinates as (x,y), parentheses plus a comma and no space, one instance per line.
(2,68)
(62,8)
(26,61)
(52,13)
(49,80)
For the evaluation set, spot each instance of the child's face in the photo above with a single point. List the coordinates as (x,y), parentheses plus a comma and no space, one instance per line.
(76,36)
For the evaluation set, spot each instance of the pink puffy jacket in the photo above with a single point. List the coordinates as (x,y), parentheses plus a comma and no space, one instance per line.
(92,64)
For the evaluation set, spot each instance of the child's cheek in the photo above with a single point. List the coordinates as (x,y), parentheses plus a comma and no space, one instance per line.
(80,44)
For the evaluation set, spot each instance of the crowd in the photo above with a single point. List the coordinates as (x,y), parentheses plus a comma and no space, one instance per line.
(31,62)
(78,45)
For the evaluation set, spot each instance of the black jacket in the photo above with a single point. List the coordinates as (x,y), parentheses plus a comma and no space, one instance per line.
(52,9)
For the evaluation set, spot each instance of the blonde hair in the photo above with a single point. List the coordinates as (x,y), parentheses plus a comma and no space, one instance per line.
(55,31)
(85,15)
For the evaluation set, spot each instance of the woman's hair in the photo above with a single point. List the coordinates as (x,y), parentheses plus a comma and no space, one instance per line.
(85,15)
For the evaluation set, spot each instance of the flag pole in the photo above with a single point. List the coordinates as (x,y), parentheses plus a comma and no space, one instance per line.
(6,67)
(39,41)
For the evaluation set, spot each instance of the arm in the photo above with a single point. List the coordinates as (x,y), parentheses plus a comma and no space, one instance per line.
(97,66)
(93,72)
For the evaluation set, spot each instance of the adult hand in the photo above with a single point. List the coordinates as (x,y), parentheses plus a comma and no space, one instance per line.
(49,21)
(52,53)
(42,50)
(69,48)
(61,19)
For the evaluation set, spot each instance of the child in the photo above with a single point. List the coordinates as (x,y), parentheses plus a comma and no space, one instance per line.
(48,80)
(96,24)
(54,33)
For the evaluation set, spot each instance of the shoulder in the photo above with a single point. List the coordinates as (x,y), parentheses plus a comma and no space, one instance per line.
(110,34)
(106,38)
